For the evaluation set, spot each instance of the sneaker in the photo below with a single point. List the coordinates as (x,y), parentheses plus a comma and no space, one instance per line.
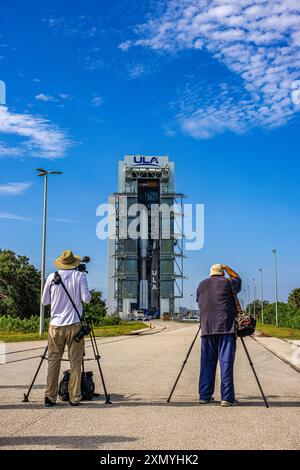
(49,403)
(229,403)
(77,403)
(206,402)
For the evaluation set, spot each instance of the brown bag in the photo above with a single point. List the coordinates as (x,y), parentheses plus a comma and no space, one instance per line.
(244,324)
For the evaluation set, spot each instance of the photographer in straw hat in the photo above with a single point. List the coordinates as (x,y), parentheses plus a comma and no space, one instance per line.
(218,340)
(65,324)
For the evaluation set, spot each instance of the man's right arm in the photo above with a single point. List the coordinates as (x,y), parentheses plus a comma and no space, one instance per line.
(230,272)
(235,278)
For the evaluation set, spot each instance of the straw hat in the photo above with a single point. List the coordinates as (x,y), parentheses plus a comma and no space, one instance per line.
(216,270)
(67,260)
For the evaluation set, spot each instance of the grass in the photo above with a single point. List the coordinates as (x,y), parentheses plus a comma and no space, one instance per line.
(16,336)
(118,330)
(279,332)
(104,331)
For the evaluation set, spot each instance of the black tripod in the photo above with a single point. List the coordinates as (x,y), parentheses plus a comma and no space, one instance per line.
(97,358)
(248,357)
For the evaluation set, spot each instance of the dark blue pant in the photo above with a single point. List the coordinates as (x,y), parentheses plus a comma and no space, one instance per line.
(214,348)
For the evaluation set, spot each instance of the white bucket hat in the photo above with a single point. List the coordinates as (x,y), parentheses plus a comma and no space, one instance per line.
(217,270)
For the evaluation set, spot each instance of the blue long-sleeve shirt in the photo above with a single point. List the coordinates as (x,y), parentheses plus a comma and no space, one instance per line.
(216,304)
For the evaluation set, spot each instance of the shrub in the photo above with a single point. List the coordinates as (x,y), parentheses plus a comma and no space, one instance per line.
(19,285)
(24,325)
(31,325)
(287,316)
(109,320)
(95,311)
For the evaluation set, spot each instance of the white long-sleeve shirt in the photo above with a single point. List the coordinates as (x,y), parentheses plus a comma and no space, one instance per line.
(62,311)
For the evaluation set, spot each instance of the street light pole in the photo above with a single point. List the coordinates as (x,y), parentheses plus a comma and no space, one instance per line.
(248,294)
(245,301)
(276,285)
(42,310)
(254,297)
(262,295)
(45,174)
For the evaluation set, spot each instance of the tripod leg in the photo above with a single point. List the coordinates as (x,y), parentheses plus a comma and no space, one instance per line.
(183,365)
(97,357)
(26,395)
(82,364)
(255,375)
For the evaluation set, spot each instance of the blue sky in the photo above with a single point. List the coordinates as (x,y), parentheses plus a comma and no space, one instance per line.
(209,83)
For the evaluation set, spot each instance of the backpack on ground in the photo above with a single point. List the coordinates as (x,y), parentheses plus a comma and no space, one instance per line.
(87,386)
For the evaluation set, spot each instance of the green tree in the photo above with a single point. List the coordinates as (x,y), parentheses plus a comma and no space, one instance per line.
(250,308)
(294,299)
(96,309)
(19,286)
(287,316)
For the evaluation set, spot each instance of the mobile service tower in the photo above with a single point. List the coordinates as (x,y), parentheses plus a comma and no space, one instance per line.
(145,272)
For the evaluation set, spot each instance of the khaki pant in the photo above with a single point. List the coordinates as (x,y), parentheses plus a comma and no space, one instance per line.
(58,337)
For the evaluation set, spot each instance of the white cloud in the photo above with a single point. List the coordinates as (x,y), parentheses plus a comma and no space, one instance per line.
(258,41)
(64,221)
(65,96)
(97,101)
(42,138)
(12,189)
(49,98)
(124,46)
(80,25)
(136,70)
(44,97)
(11,216)
(6,151)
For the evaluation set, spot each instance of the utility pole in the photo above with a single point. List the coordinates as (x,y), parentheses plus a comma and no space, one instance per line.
(276,285)
(262,295)
(248,294)
(254,297)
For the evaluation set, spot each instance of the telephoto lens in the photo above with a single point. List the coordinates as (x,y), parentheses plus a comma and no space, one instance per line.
(84,331)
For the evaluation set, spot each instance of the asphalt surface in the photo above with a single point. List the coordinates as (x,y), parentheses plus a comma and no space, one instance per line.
(139,372)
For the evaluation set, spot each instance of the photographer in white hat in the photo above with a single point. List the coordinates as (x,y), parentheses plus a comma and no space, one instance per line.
(64,325)
(218,339)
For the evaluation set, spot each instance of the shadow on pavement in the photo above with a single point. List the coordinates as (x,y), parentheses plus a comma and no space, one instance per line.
(131,401)
(21,386)
(88,442)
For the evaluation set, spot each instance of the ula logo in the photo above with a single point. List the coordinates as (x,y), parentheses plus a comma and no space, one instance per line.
(153,161)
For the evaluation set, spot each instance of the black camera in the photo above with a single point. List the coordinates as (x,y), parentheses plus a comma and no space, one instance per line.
(82,266)
(84,331)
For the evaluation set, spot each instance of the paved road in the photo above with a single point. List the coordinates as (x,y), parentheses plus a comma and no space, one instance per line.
(139,372)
